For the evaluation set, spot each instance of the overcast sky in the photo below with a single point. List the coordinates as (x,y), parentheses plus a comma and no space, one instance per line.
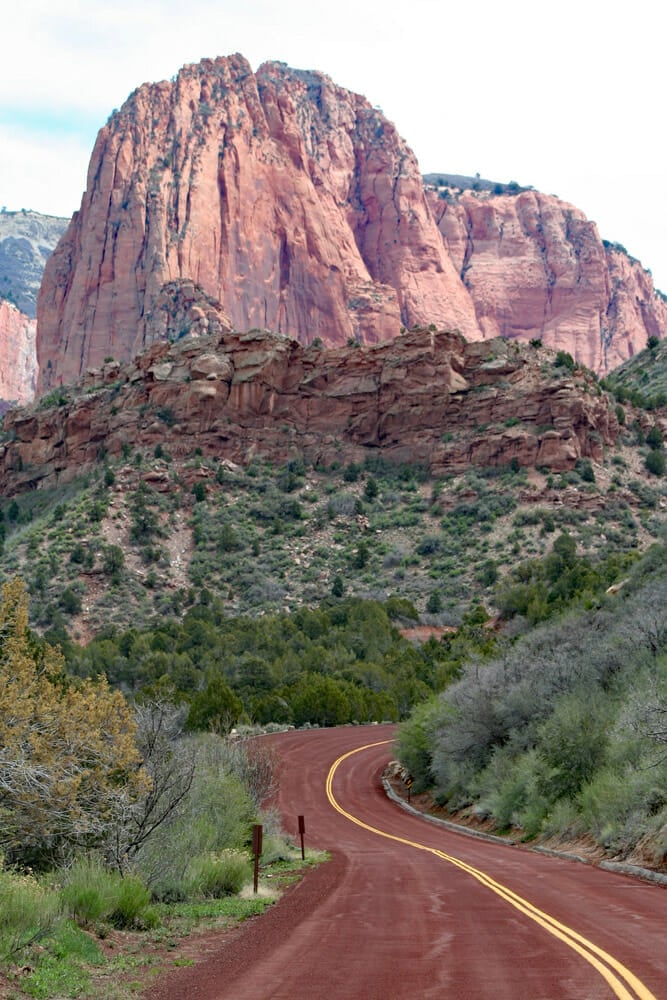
(565,97)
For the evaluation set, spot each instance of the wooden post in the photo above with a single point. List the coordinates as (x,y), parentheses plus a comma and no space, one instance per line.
(256,850)
(302,830)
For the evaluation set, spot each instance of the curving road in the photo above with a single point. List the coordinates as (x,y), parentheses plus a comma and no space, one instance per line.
(406,909)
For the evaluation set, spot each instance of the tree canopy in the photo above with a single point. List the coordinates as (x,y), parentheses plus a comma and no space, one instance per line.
(68,755)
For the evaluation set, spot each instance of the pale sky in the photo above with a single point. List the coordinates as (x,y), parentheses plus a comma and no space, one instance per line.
(565,97)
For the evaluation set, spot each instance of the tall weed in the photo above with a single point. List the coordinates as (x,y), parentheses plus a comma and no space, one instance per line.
(28,912)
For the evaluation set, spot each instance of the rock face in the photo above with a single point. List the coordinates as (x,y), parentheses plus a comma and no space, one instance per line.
(427,397)
(290,200)
(17,356)
(27,240)
(535,267)
(296,205)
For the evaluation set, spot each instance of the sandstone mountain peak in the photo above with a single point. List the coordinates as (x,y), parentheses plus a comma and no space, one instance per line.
(296,205)
(290,200)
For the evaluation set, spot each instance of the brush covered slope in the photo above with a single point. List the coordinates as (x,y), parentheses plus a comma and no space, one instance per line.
(265,473)
(561,735)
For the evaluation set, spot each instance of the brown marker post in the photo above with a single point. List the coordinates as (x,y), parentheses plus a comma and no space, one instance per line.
(256,850)
(302,830)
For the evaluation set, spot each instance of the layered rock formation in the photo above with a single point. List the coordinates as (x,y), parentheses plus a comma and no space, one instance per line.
(290,200)
(295,204)
(536,267)
(427,396)
(17,356)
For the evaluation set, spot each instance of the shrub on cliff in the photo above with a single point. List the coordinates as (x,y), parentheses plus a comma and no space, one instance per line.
(655,462)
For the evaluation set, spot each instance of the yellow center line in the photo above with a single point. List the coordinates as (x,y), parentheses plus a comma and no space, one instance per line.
(591,952)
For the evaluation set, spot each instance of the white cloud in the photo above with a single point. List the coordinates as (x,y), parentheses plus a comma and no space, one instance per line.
(40,174)
(548,96)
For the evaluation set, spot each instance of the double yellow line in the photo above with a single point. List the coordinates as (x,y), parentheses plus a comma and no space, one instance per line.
(612,971)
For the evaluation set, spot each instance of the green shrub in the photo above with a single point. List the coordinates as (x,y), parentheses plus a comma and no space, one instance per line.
(93,892)
(434,603)
(219,875)
(655,438)
(564,360)
(655,462)
(275,848)
(616,805)
(571,745)
(132,907)
(89,891)
(415,744)
(217,814)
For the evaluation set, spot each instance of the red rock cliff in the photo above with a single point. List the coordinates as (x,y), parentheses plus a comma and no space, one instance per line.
(297,206)
(536,267)
(427,396)
(290,200)
(17,355)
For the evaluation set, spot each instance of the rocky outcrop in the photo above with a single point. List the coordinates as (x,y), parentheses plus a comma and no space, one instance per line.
(27,240)
(290,200)
(17,356)
(536,268)
(426,397)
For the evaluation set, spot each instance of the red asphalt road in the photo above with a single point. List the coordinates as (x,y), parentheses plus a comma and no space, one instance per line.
(385,920)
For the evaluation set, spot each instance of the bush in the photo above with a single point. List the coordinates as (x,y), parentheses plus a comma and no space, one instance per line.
(219,875)
(564,360)
(415,744)
(655,462)
(616,805)
(217,814)
(654,438)
(70,602)
(571,745)
(89,891)
(371,488)
(93,892)
(132,907)
(434,603)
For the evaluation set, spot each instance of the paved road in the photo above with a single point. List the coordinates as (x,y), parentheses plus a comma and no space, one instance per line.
(409,911)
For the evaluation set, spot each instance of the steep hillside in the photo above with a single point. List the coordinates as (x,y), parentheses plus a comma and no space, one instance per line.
(643,379)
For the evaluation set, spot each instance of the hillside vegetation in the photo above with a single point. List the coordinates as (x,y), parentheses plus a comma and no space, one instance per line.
(563,732)
(148,537)
(643,379)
